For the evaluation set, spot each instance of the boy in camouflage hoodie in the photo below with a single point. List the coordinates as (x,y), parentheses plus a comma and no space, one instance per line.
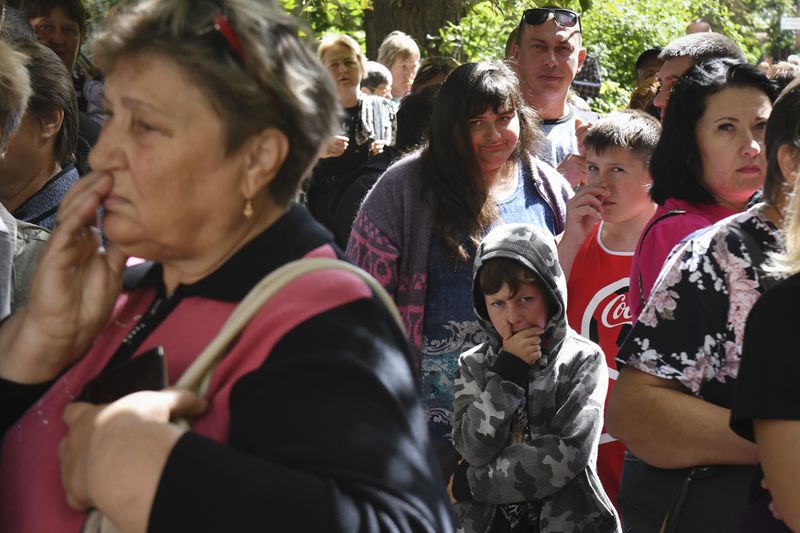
(529,402)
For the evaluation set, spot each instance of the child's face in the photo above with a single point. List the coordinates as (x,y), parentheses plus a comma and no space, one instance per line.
(384,90)
(527,309)
(628,179)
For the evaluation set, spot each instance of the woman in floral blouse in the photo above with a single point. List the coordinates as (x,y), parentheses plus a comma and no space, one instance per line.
(672,400)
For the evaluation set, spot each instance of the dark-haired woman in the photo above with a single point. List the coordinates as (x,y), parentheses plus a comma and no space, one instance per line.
(61,26)
(419,227)
(671,403)
(708,163)
(39,166)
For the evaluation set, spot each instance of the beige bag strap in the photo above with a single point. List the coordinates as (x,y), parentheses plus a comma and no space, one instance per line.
(198,376)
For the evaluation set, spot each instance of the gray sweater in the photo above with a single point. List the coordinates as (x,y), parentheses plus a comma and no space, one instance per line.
(20,246)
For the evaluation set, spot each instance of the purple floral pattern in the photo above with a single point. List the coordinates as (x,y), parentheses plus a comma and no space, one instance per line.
(692,327)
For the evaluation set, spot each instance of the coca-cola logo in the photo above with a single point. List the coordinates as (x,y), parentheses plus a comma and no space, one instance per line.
(616,312)
(607,318)
(608,301)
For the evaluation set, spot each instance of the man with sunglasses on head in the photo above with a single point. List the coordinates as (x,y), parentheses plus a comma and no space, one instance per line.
(549,53)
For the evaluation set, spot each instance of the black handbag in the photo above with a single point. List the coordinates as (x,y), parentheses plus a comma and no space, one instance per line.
(703,499)
(712,498)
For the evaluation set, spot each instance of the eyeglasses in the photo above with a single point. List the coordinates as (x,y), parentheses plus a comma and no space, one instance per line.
(563,17)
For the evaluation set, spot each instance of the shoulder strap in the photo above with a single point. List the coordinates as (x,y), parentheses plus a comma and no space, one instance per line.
(757,257)
(198,376)
(641,240)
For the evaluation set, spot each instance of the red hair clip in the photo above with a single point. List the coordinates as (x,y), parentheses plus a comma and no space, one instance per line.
(221,25)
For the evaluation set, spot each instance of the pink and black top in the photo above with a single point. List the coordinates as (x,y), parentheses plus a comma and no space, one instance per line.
(314,407)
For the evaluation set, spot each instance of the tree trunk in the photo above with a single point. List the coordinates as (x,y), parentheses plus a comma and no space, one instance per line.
(419,18)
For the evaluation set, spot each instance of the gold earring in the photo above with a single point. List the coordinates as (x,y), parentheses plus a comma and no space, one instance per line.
(248,209)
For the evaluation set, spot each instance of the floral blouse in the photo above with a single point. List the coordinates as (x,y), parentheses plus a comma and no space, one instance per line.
(692,327)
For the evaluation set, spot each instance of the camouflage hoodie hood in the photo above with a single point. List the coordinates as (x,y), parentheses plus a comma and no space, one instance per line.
(535,249)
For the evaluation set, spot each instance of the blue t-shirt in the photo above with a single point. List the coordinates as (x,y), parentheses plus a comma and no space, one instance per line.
(450,326)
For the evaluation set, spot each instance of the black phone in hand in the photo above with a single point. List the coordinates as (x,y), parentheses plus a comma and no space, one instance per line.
(147,371)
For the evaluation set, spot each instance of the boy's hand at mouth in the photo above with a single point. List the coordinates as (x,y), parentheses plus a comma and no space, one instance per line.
(525,344)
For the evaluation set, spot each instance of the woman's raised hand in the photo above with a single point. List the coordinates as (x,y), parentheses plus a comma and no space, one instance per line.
(337,145)
(72,294)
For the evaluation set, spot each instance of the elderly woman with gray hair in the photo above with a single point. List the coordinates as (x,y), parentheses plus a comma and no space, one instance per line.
(20,242)
(311,422)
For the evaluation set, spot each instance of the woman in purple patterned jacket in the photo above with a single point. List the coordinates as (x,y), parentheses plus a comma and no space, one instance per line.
(419,227)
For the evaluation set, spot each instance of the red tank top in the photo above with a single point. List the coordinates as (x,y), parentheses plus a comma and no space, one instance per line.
(598,310)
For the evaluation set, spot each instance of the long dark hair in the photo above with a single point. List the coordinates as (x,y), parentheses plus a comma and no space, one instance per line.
(453,183)
(676,164)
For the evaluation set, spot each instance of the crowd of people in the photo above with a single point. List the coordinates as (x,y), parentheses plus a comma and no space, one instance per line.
(488,308)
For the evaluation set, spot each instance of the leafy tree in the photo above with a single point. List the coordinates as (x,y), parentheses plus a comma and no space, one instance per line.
(96,11)
(369,21)
(324,16)
(615,31)
(482,33)
(766,18)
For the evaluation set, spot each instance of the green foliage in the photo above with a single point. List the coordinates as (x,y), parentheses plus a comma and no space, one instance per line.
(766,15)
(326,16)
(484,30)
(96,11)
(574,5)
(617,31)
(482,33)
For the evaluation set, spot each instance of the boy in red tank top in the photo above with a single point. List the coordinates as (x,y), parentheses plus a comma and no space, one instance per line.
(604,221)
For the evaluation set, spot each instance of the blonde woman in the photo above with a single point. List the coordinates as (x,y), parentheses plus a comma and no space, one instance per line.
(367,123)
(765,408)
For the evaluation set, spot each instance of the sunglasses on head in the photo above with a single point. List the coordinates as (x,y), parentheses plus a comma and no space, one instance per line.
(220,25)
(563,17)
